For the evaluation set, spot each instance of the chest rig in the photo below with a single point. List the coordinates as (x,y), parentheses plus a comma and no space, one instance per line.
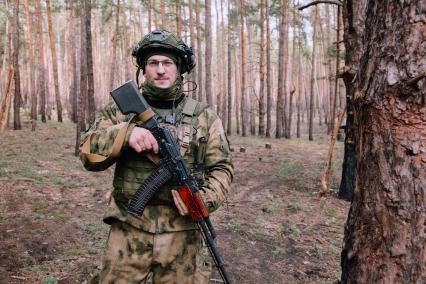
(182,123)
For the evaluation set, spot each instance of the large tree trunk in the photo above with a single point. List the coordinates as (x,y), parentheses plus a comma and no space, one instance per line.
(54,61)
(17,78)
(385,238)
(208,54)
(268,74)
(41,67)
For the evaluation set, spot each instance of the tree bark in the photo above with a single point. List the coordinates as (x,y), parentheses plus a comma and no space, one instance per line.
(280,96)
(336,81)
(114,68)
(41,67)
(178,18)
(268,74)
(32,91)
(199,54)
(89,56)
(208,54)
(262,71)
(353,22)
(54,61)
(16,75)
(313,63)
(229,127)
(385,234)
(243,109)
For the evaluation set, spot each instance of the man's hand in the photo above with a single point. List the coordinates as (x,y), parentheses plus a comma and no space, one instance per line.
(142,140)
(183,210)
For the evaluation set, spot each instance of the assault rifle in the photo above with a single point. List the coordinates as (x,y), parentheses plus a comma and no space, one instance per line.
(172,169)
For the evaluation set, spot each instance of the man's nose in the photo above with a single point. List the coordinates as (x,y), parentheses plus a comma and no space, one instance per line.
(160,68)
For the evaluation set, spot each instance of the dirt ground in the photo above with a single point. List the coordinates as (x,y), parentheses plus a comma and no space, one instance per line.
(272,229)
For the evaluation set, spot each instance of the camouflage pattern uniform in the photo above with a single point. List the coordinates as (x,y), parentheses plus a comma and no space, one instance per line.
(161,240)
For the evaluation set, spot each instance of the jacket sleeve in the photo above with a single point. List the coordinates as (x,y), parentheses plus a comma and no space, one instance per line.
(102,144)
(219,169)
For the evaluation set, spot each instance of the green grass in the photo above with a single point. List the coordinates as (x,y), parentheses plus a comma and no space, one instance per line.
(50,279)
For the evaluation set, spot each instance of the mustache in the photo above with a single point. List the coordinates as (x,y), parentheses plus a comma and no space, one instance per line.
(161,78)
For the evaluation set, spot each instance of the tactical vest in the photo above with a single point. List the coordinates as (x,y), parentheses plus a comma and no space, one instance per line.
(133,168)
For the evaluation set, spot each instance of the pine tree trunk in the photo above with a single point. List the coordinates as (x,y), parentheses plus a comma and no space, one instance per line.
(229,125)
(313,64)
(262,72)
(208,54)
(223,70)
(178,18)
(199,54)
(6,100)
(74,83)
(114,68)
(163,14)
(33,93)
(193,75)
(149,16)
(336,81)
(41,66)
(89,55)
(54,61)
(15,60)
(281,78)
(243,72)
(268,74)
(385,232)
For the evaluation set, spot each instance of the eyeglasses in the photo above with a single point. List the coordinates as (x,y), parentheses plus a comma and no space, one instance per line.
(165,63)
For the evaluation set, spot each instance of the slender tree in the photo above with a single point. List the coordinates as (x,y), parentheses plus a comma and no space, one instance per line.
(262,71)
(54,61)
(114,68)
(41,67)
(281,77)
(89,56)
(16,74)
(229,125)
(268,74)
(208,52)
(33,94)
(199,53)
(313,64)
(243,72)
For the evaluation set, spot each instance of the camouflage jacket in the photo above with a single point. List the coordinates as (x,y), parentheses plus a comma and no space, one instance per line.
(106,143)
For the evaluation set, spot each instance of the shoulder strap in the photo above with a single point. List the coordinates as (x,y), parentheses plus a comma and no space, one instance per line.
(192,108)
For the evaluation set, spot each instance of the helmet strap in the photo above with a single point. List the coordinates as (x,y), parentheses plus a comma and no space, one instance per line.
(137,77)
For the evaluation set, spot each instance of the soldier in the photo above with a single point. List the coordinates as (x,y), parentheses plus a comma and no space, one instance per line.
(164,240)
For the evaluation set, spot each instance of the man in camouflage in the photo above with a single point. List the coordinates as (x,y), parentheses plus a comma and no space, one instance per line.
(163,241)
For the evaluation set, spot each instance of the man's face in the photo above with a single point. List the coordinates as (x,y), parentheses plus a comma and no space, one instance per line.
(161,70)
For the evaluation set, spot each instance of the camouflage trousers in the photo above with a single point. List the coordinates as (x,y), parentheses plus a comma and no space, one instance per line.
(175,257)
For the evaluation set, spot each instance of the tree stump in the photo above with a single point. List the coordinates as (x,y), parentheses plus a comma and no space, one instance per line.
(268,146)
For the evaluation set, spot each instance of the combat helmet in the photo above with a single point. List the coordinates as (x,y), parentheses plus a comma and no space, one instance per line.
(162,40)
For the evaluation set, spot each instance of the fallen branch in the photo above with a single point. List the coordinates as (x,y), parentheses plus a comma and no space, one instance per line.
(334,2)
(325,177)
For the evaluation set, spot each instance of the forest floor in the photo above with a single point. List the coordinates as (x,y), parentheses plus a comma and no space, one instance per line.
(273,229)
